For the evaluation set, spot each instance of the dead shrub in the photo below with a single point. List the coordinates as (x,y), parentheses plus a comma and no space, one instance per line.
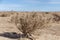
(28,23)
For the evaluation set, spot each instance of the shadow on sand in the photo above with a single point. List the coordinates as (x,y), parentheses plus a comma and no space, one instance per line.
(12,35)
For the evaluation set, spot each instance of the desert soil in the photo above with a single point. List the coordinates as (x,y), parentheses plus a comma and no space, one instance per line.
(5,26)
(49,33)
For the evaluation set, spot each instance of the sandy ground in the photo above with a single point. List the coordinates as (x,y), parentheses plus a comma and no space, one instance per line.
(49,33)
(5,26)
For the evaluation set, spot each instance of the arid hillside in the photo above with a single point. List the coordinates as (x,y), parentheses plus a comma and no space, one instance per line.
(30,25)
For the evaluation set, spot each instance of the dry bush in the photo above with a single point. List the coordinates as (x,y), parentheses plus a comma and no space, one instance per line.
(56,17)
(3,15)
(29,22)
(6,14)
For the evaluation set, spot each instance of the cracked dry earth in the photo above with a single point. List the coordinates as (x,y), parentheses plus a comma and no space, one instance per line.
(49,33)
